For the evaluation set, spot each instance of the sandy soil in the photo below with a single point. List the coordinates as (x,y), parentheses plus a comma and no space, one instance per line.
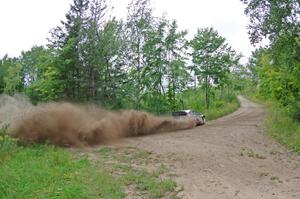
(230,157)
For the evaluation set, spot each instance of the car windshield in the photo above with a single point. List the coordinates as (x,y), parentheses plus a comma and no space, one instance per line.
(196,113)
(179,113)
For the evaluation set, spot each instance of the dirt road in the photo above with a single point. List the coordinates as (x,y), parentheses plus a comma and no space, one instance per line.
(227,158)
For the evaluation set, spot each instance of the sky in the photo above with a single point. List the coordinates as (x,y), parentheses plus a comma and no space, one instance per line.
(27,23)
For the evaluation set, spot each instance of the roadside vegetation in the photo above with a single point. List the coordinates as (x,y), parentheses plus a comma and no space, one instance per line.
(142,62)
(283,127)
(222,102)
(279,123)
(272,75)
(45,171)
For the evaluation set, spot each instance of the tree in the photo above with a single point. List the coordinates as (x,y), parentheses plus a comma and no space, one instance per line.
(138,23)
(177,75)
(253,61)
(41,75)
(34,61)
(212,58)
(279,21)
(164,73)
(11,76)
(92,45)
(154,53)
(3,71)
(272,18)
(112,61)
(67,40)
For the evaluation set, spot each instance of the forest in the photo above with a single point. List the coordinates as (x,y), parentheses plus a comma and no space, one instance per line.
(274,70)
(146,62)
(142,62)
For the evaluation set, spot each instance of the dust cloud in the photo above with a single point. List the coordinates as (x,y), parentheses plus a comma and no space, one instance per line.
(12,107)
(65,124)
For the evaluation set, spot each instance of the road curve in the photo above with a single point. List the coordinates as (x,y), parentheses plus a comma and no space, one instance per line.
(231,157)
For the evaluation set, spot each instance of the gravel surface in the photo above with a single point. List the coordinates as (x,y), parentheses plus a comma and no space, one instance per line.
(231,157)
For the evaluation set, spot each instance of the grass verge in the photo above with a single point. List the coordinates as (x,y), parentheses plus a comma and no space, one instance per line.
(282,127)
(221,104)
(45,171)
(142,173)
(225,109)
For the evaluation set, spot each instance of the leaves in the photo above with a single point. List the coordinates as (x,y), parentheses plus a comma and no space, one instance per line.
(277,66)
(212,58)
(271,19)
(142,62)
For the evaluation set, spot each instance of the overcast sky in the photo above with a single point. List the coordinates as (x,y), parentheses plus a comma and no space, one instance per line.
(27,23)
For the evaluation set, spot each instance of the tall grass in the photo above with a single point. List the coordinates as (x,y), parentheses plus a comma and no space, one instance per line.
(279,123)
(45,171)
(282,127)
(221,103)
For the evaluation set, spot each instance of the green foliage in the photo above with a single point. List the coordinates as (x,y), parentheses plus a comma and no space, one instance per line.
(7,144)
(282,127)
(165,73)
(45,90)
(2,75)
(155,103)
(41,75)
(280,120)
(146,181)
(13,80)
(48,172)
(44,171)
(212,59)
(140,63)
(222,108)
(272,19)
(278,66)
(138,24)
(34,63)
(128,164)
(276,69)
(277,83)
(223,102)
(11,76)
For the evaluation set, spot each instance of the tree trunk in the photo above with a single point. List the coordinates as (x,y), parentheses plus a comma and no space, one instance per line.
(195,82)
(139,76)
(206,93)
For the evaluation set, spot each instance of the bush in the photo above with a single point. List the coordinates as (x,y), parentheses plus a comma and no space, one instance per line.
(7,143)
(222,103)
(283,127)
(219,104)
